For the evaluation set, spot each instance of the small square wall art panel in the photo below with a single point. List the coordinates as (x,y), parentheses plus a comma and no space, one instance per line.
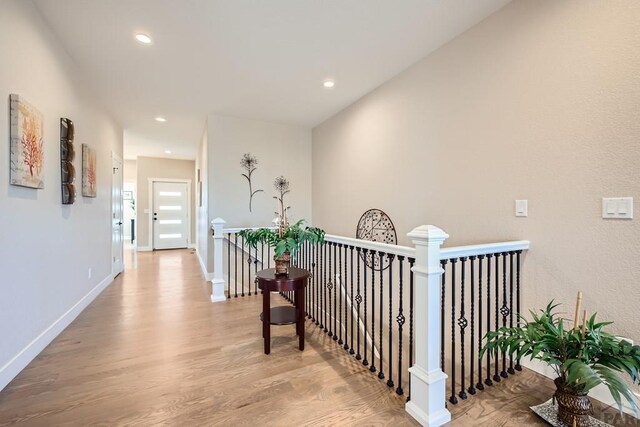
(27,144)
(88,171)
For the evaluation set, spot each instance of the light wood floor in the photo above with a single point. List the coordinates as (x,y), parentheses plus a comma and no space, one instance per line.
(152,350)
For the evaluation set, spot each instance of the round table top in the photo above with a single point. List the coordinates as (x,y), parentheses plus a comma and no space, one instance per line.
(295,274)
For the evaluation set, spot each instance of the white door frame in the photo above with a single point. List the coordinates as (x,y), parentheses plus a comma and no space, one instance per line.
(150,214)
(114,273)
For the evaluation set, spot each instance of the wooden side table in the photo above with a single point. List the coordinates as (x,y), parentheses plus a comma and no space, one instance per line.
(296,281)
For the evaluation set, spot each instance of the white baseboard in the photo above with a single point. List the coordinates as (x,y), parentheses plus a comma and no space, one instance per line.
(144,248)
(207,276)
(192,246)
(20,361)
(600,392)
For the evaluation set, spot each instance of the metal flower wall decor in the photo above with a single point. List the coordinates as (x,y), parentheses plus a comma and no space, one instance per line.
(282,185)
(249,163)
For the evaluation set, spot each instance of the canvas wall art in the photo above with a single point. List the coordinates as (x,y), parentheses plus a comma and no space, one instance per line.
(88,171)
(67,154)
(27,144)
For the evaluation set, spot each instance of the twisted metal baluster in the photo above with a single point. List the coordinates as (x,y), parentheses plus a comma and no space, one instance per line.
(351,350)
(344,283)
(472,389)
(462,323)
(358,301)
(443,291)
(400,319)
(488,380)
(479,384)
(496,376)
(372,368)
(511,370)
(390,380)
(330,287)
(504,310)
(229,265)
(338,333)
(411,262)
(381,350)
(453,399)
(518,366)
(365,362)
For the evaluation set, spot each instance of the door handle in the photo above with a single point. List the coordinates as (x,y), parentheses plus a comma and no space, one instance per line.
(120,223)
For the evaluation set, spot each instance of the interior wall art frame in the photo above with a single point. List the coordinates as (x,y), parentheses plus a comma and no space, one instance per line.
(27,144)
(88,171)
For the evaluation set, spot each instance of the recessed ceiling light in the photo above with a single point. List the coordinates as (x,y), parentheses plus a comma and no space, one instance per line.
(160,119)
(143,38)
(167,151)
(329,84)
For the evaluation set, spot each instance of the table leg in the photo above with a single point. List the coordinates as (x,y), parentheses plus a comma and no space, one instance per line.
(301,309)
(266,321)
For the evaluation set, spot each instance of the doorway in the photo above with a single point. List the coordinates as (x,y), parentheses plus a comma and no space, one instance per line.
(116,216)
(171,218)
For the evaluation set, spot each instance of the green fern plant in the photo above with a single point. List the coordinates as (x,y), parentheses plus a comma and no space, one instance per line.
(582,360)
(292,237)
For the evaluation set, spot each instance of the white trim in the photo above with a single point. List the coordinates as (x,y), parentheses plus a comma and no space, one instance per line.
(483,249)
(144,248)
(207,276)
(20,361)
(150,214)
(375,246)
(114,273)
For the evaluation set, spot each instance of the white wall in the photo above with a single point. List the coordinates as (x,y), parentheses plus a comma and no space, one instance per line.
(280,150)
(202,219)
(47,248)
(540,101)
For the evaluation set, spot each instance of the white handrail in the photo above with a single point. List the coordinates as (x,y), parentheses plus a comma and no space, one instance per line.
(483,249)
(374,246)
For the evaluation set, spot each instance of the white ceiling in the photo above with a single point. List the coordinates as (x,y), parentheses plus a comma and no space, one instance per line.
(246,58)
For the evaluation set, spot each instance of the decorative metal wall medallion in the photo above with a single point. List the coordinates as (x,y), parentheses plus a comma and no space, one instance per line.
(376,226)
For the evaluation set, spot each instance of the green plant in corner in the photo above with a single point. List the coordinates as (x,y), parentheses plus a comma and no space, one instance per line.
(582,357)
(292,237)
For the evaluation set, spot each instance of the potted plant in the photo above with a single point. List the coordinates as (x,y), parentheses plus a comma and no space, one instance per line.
(286,241)
(582,357)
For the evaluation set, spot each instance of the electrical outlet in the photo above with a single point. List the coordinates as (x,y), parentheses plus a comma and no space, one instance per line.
(89,273)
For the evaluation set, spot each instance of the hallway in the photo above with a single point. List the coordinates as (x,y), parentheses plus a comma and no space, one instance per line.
(153,349)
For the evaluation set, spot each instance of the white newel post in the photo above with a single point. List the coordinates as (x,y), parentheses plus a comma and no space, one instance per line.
(428,382)
(217,284)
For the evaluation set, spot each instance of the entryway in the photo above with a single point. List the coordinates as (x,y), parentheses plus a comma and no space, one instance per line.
(171,215)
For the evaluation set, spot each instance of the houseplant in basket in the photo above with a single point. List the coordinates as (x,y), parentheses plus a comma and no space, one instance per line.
(286,240)
(581,356)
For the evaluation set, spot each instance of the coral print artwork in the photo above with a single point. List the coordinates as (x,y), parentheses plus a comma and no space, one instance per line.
(27,144)
(88,171)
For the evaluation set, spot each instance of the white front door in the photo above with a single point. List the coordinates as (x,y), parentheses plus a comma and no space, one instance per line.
(116,216)
(170,215)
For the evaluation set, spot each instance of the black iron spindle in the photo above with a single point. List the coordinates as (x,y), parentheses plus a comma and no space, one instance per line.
(337,310)
(358,301)
(381,349)
(400,319)
(472,361)
(330,287)
(365,362)
(453,399)
(390,362)
(235,263)
(229,265)
(488,380)
(504,310)
(351,350)
(462,323)
(518,366)
(511,370)
(479,384)
(242,266)
(249,267)
(372,368)
(323,313)
(443,291)
(496,376)
(343,282)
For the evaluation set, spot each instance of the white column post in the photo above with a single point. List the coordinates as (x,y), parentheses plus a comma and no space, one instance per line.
(428,382)
(217,284)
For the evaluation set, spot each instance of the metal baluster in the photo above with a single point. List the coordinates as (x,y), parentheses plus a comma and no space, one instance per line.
(400,319)
(262,261)
(229,265)
(338,329)
(504,310)
(453,399)
(390,380)
(249,267)
(323,312)
(242,266)
(365,362)
(235,263)
(372,368)
(443,292)
(358,301)
(344,283)
(268,256)
(316,268)
(330,287)
(462,322)
(255,269)
(488,381)
(351,350)
(511,370)
(496,377)
(518,366)
(472,389)
(479,384)
(411,262)
(381,349)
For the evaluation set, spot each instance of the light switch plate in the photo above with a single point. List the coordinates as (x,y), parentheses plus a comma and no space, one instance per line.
(522,208)
(617,208)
